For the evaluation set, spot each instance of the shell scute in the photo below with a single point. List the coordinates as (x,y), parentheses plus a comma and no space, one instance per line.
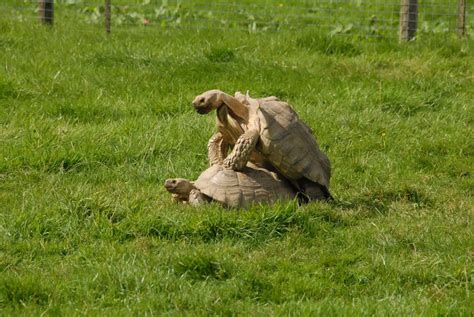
(240,189)
(290,145)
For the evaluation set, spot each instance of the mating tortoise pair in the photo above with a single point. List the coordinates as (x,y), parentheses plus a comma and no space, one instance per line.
(273,152)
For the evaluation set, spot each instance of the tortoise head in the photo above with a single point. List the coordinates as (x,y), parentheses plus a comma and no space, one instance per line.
(208,101)
(180,186)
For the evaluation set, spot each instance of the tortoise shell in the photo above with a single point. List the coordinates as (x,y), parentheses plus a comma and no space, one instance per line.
(289,145)
(241,189)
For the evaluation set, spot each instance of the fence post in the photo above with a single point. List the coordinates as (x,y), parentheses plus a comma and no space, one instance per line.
(46,11)
(408,19)
(462,18)
(107,16)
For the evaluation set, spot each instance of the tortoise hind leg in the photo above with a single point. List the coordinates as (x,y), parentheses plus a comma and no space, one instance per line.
(315,191)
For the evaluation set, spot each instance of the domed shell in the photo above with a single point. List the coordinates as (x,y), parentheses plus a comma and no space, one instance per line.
(241,189)
(289,145)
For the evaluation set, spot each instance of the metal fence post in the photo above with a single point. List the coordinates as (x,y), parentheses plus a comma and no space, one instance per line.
(107,16)
(462,18)
(408,19)
(46,11)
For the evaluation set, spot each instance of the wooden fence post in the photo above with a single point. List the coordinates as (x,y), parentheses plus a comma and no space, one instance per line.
(408,19)
(107,16)
(46,11)
(462,18)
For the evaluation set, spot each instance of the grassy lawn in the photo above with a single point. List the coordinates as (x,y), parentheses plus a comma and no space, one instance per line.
(90,126)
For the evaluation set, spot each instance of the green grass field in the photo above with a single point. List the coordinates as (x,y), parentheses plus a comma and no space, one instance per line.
(90,126)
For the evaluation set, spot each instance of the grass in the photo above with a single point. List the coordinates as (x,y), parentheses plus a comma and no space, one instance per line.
(90,126)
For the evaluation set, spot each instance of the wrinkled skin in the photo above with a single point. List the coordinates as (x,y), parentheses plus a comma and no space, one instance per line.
(183,191)
(207,102)
(180,188)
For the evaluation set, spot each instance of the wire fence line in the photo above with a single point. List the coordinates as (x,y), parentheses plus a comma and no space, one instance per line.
(358,18)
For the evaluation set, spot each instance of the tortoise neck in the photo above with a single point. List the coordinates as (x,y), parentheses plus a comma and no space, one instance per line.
(237,108)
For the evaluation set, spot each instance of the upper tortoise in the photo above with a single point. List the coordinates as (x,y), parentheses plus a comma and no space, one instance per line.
(273,129)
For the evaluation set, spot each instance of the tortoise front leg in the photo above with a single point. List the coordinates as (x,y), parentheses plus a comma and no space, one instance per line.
(176,198)
(216,149)
(197,198)
(243,148)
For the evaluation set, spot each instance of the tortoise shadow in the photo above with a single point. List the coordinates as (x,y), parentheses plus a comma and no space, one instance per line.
(378,202)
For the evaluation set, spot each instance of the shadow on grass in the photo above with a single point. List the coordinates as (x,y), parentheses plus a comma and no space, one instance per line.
(220,55)
(209,224)
(18,292)
(249,226)
(254,226)
(200,266)
(378,202)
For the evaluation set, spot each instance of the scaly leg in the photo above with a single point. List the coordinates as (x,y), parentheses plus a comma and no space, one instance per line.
(197,198)
(176,198)
(216,149)
(243,148)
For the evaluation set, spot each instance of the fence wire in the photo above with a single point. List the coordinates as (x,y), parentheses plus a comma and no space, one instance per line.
(362,18)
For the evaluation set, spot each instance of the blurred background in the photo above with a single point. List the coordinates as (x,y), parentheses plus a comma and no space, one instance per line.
(354,18)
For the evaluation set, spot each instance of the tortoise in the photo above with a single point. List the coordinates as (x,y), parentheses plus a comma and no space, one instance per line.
(231,188)
(269,133)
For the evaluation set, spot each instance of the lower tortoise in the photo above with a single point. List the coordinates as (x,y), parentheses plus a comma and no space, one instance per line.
(231,188)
